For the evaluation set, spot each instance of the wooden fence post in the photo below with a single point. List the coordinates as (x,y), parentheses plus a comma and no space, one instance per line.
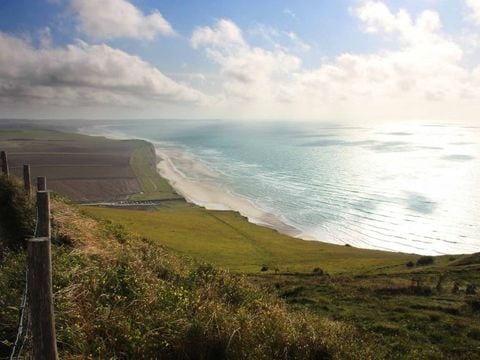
(3,156)
(27,183)
(40,294)
(41,183)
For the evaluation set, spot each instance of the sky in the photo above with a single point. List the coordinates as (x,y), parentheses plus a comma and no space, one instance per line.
(319,60)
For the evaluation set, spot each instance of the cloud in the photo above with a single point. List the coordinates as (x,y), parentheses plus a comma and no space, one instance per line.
(290,13)
(474,5)
(83,74)
(108,19)
(424,73)
(225,34)
(422,77)
(378,18)
(250,73)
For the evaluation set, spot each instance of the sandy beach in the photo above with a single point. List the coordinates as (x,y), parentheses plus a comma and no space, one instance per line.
(212,195)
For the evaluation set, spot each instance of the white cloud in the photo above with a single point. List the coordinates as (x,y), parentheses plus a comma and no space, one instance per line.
(424,73)
(249,73)
(108,19)
(226,35)
(474,6)
(83,74)
(424,77)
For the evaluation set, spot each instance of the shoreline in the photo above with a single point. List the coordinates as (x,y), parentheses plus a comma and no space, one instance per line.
(210,196)
(215,197)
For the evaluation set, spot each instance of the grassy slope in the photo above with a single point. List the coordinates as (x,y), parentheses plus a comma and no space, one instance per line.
(228,240)
(404,307)
(118,296)
(406,310)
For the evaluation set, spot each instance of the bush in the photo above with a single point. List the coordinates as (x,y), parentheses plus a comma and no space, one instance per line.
(410,264)
(16,215)
(425,260)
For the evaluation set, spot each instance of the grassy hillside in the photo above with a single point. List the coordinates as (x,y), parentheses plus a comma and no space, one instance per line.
(120,296)
(414,311)
(228,240)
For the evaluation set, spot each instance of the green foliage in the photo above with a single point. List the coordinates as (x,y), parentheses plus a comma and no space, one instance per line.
(425,260)
(16,215)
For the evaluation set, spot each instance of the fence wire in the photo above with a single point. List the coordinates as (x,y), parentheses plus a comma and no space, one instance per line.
(23,320)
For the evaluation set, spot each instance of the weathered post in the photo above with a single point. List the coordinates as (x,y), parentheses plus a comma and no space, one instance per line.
(27,183)
(41,183)
(40,292)
(3,156)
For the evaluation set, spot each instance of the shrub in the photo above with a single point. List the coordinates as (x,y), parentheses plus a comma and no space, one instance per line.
(425,260)
(16,215)
(410,264)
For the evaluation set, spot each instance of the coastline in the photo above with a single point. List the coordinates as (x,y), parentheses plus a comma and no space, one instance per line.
(195,180)
(213,196)
(209,195)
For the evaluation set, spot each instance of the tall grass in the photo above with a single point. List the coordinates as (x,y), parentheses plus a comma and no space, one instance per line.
(120,296)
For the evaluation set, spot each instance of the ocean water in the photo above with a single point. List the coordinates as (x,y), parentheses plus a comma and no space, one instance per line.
(408,187)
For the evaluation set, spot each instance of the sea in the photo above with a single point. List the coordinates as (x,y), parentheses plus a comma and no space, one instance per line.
(403,187)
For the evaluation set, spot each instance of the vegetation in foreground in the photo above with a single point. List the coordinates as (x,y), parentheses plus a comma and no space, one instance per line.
(122,296)
(416,307)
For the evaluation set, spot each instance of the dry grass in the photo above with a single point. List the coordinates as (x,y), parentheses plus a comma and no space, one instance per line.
(85,235)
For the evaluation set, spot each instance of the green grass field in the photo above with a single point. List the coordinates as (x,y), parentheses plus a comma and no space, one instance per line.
(228,240)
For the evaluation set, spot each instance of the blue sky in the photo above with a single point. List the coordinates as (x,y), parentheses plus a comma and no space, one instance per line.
(310,59)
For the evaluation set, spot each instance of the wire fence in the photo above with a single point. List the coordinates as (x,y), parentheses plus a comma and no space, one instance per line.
(24,316)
